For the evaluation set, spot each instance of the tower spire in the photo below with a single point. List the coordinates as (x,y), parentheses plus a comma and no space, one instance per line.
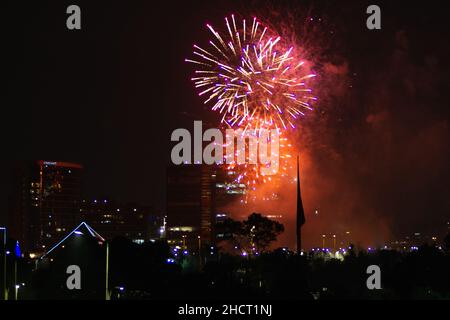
(300,211)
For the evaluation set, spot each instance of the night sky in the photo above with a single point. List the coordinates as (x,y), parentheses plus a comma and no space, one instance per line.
(375,152)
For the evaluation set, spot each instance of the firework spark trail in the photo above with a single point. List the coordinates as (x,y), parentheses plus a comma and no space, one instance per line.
(250,173)
(255,82)
(250,78)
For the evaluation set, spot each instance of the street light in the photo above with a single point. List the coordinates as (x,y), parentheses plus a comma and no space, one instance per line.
(15,279)
(16,291)
(200,250)
(107,295)
(5,294)
(184,241)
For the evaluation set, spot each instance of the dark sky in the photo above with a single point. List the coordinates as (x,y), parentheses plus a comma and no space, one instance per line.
(376,149)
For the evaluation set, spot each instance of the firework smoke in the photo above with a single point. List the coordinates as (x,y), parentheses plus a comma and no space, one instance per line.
(255,81)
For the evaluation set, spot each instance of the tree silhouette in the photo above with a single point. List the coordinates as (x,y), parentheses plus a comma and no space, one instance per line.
(231,231)
(261,231)
(253,235)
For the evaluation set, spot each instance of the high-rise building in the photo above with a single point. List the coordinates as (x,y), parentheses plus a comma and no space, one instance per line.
(199,196)
(45,202)
(190,203)
(112,219)
(226,189)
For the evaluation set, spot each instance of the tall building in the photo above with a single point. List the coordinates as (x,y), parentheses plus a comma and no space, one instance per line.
(112,219)
(226,189)
(190,203)
(45,202)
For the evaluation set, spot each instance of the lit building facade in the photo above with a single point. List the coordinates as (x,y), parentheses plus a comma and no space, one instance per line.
(112,219)
(190,204)
(45,203)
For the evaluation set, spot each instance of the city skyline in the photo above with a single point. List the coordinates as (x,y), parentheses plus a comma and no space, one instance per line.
(374,153)
(240,158)
(189,214)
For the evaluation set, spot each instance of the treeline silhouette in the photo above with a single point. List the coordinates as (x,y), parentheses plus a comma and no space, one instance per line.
(147,271)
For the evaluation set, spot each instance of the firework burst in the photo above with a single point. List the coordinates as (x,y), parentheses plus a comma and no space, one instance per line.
(251,78)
